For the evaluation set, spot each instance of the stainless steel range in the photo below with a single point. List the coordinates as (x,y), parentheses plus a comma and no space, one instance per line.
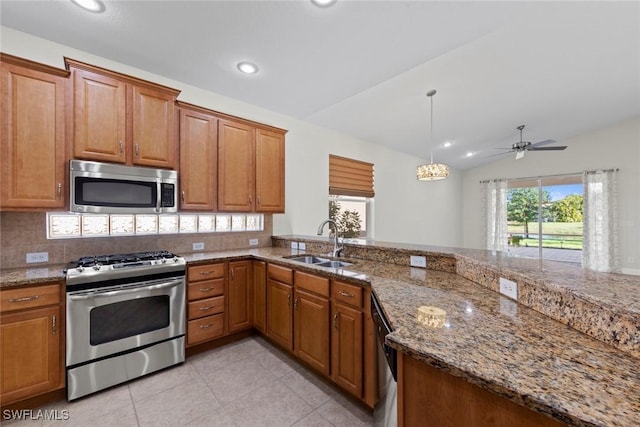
(125,318)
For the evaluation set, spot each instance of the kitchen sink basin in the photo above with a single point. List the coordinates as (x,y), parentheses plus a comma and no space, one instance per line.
(309,259)
(333,264)
(320,262)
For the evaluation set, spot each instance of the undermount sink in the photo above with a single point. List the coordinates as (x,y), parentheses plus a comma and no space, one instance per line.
(320,262)
(333,264)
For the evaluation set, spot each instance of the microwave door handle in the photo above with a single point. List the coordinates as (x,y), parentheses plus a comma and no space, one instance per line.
(158,196)
(90,295)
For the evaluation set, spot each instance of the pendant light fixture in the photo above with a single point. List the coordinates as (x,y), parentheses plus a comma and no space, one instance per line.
(432,171)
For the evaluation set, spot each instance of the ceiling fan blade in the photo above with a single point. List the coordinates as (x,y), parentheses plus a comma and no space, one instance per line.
(558,148)
(541,143)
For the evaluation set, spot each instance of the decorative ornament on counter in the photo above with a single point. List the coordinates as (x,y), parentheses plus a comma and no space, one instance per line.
(432,317)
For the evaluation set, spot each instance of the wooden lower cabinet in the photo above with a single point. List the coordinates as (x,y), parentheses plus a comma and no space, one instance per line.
(311,328)
(31,342)
(347,348)
(429,396)
(279,313)
(260,296)
(239,296)
(206,285)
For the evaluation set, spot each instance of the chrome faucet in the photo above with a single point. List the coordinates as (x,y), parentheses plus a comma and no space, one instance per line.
(337,250)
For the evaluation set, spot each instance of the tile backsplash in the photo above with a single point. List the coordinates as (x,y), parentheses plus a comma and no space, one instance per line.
(26,232)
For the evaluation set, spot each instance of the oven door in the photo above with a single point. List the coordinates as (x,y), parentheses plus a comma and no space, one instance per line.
(105,321)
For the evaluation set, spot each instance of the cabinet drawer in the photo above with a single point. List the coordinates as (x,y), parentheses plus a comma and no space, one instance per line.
(207,271)
(36,296)
(205,307)
(205,289)
(280,274)
(317,285)
(348,294)
(205,329)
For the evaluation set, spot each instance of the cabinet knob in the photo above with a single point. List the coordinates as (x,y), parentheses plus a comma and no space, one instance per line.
(295,303)
(182,195)
(258,200)
(335,321)
(59,191)
(250,200)
(121,148)
(53,325)
(289,300)
(137,150)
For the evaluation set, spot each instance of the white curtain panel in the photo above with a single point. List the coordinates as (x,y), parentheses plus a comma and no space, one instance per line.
(600,244)
(494,193)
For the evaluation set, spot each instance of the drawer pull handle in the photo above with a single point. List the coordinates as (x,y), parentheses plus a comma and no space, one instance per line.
(295,303)
(53,325)
(346,294)
(206,326)
(206,308)
(137,150)
(59,192)
(35,297)
(203,273)
(121,148)
(205,289)
(289,300)
(335,320)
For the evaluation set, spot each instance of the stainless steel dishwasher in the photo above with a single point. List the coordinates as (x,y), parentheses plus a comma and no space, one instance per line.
(385,414)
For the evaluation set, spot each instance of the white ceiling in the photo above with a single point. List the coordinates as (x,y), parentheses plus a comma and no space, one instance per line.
(364,67)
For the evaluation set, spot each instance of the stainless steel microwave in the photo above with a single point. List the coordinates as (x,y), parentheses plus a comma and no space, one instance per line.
(109,188)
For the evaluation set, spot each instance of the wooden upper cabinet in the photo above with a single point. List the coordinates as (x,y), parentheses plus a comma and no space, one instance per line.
(118,118)
(269,171)
(99,117)
(33,134)
(235,166)
(198,159)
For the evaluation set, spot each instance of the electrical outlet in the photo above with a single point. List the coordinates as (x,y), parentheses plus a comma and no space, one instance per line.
(198,246)
(294,245)
(418,261)
(37,257)
(509,288)
(253,242)
(302,246)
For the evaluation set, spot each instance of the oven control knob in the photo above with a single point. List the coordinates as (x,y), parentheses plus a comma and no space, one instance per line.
(96,267)
(175,259)
(80,269)
(164,260)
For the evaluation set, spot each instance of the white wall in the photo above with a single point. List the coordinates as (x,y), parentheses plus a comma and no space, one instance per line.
(405,210)
(616,146)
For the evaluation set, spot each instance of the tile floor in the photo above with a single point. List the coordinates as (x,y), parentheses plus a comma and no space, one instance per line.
(247,383)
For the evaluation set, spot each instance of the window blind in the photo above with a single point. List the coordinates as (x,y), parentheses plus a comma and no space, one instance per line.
(348,177)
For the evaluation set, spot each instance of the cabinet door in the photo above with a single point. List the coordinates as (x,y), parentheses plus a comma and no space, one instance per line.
(33,138)
(30,353)
(198,168)
(239,295)
(154,142)
(99,117)
(311,328)
(279,313)
(260,296)
(269,171)
(347,349)
(235,167)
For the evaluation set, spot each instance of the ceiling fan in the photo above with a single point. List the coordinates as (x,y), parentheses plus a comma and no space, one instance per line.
(522,146)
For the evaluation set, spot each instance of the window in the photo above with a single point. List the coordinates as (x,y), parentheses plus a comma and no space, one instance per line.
(351,191)
(545,218)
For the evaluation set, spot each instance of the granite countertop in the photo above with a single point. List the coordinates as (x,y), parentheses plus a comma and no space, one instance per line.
(488,339)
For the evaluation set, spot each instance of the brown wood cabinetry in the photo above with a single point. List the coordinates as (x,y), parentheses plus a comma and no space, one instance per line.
(239,295)
(250,168)
(31,342)
(279,305)
(347,337)
(311,321)
(260,296)
(429,396)
(205,302)
(32,155)
(118,118)
(198,158)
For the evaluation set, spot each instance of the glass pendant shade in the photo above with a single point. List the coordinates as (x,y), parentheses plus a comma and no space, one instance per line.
(432,172)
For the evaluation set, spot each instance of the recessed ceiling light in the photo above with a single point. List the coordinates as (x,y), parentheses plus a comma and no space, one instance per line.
(323,3)
(469,154)
(447,144)
(90,5)
(247,67)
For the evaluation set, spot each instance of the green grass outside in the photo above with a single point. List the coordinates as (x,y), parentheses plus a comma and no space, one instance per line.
(571,230)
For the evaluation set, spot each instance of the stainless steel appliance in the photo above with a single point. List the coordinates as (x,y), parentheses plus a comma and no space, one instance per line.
(125,318)
(385,414)
(108,188)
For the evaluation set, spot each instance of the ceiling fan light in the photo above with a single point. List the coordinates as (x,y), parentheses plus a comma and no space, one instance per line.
(432,172)
(91,5)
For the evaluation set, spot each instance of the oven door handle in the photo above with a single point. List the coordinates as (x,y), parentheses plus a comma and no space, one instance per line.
(90,295)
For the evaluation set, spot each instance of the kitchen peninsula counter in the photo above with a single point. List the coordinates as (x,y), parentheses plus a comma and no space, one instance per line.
(489,340)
